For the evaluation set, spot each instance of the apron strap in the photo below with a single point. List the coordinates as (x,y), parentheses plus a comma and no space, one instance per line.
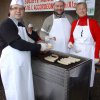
(87,22)
(77,22)
(53,17)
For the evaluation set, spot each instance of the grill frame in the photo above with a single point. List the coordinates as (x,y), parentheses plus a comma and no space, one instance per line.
(53,81)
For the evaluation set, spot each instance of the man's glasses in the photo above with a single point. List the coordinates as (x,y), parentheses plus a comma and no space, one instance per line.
(17,8)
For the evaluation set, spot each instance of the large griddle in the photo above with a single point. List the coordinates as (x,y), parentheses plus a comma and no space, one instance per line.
(54,81)
(61,55)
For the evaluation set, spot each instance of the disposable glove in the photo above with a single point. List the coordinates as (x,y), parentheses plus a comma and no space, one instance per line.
(48,38)
(96,60)
(44,46)
(50,46)
(70,45)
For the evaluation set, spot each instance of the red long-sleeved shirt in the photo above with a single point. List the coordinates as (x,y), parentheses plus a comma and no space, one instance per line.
(94,29)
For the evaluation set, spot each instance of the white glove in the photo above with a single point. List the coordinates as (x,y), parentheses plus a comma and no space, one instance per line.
(50,46)
(96,60)
(48,38)
(44,46)
(70,45)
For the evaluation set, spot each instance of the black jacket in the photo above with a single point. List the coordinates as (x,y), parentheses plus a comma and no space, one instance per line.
(9,36)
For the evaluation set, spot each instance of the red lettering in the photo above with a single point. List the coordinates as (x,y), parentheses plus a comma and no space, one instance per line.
(42,7)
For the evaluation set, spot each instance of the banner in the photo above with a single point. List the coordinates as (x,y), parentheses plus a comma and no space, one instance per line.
(47,5)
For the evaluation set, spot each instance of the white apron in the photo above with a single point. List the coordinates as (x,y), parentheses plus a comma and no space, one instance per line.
(61,30)
(84,45)
(15,69)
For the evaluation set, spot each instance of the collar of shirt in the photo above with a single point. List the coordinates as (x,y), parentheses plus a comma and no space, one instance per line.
(83,20)
(62,16)
(14,20)
(20,24)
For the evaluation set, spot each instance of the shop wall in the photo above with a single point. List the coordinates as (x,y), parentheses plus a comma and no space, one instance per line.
(37,18)
(4,7)
(97,11)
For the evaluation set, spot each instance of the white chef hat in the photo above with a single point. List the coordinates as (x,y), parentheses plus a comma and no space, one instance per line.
(58,0)
(79,1)
(30,25)
(19,2)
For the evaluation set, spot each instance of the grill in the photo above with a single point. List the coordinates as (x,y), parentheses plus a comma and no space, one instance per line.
(54,81)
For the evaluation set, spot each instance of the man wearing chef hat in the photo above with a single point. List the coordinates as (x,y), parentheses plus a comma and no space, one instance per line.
(85,39)
(15,61)
(56,28)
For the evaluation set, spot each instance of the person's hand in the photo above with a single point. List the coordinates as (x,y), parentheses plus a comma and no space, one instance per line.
(96,60)
(45,46)
(48,38)
(70,45)
(50,46)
